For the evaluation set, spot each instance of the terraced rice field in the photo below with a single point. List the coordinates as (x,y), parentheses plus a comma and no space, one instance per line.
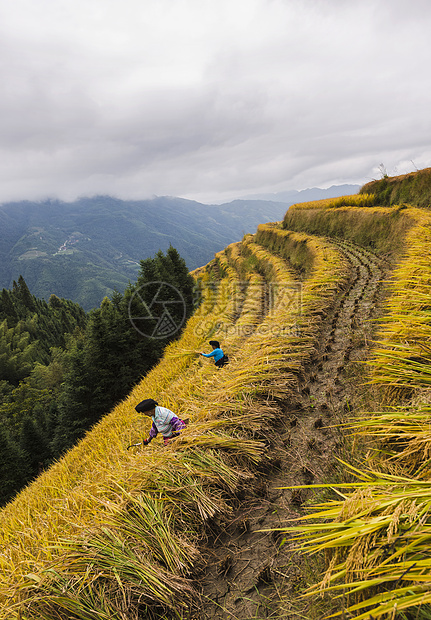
(246,567)
(197,529)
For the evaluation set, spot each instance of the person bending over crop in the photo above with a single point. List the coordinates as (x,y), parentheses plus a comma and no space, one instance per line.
(220,359)
(164,421)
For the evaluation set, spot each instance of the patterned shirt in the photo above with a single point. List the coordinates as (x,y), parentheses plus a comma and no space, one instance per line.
(165,422)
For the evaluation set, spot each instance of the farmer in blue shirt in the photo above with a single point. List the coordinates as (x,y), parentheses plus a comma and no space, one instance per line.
(220,359)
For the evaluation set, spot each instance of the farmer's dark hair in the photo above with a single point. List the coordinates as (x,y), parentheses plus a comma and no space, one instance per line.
(215,343)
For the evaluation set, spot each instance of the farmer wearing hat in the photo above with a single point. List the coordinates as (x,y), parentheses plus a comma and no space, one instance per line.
(164,421)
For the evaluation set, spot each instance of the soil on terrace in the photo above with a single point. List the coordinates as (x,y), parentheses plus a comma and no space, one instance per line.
(246,568)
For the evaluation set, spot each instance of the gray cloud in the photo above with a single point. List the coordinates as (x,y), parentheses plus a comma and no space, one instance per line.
(209,100)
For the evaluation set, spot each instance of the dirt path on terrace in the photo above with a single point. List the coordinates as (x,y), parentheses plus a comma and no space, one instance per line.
(245,568)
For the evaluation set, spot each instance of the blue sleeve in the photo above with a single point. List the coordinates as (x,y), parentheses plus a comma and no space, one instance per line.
(210,354)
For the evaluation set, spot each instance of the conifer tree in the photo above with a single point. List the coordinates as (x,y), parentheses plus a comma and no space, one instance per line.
(7,309)
(14,471)
(34,445)
(75,403)
(24,295)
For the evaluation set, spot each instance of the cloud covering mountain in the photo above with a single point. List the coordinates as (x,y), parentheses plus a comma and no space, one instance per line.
(210,100)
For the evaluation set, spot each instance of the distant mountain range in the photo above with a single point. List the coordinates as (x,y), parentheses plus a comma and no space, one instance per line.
(86,249)
(307,195)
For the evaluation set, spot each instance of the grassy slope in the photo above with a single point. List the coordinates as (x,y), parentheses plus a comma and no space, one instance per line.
(99,483)
(101,498)
(413,188)
(376,539)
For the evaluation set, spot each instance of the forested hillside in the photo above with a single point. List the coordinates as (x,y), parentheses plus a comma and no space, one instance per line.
(61,369)
(300,486)
(87,249)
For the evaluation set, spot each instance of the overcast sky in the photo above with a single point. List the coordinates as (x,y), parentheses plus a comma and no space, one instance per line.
(210,99)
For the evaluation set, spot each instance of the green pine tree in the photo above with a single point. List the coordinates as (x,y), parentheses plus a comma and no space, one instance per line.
(14,471)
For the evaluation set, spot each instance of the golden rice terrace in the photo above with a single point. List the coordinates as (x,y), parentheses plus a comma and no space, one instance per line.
(301,487)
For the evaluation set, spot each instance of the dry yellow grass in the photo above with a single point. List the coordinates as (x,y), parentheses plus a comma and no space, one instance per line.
(406,335)
(376,534)
(72,541)
(355,200)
